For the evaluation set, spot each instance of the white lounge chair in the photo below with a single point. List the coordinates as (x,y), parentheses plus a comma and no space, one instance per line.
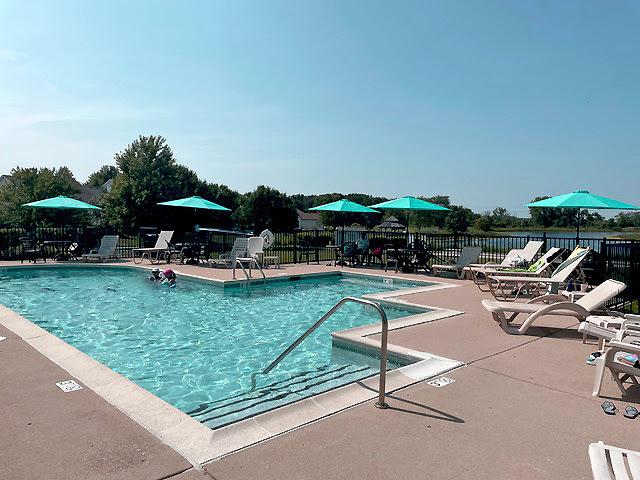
(608,327)
(480,275)
(159,250)
(537,307)
(467,257)
(105,251)
(510,287)
(239,249)
(526,254)
(610,360)
(255,248)
(613,463)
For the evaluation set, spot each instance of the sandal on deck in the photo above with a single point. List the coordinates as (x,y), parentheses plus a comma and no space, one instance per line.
(591,359)
(609,408)
(631,412)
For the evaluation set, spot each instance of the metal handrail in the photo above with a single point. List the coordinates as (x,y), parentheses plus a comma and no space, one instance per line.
(238,261)
(383,344)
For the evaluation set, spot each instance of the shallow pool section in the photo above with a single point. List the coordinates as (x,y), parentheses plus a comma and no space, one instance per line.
(199,346)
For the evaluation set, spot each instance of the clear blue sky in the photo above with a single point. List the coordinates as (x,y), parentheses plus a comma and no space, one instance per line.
(490,102)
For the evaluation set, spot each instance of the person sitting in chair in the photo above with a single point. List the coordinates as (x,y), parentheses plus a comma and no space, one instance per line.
(362,247)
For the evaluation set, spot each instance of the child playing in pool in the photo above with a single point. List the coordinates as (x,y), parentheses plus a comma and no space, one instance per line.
(155,275)
(169,278)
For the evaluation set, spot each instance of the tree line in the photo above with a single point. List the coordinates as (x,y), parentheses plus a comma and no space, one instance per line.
(146,173)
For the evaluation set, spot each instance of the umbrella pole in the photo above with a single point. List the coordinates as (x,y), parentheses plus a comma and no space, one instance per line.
(578,229)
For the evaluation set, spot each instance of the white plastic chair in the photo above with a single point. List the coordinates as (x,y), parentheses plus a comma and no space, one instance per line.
(613,463)
(107,249)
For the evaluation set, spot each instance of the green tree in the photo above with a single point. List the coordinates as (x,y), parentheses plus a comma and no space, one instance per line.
(148,174)
(428,218)
(101,176)
(222,195)
(458,219)
(543,217)
(31,184)
(484,223)
(266,207)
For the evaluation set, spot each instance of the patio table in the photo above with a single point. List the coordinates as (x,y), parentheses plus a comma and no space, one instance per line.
(409,258)
(60,248)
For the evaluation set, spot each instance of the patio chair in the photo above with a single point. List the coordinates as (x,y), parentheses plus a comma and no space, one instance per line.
(255,249)
(159,250)
(239,249)
(31,251)
(611,359)
(613,463)
(348,254)
(510,287)
(467,257)
(106,250)
(480,275)
(539,306)
(608,327)
(391,257)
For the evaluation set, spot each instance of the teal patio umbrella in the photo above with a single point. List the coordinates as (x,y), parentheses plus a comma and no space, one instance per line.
(195,202)
(343,205)
(61,202)
(409,203)
(579,200)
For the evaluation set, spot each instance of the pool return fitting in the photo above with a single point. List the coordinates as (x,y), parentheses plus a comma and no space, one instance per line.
(383,344)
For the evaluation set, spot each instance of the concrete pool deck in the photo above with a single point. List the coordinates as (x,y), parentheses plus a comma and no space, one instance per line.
(520,407)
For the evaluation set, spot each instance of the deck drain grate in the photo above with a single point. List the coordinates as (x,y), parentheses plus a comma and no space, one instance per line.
(69,386)
(441,382)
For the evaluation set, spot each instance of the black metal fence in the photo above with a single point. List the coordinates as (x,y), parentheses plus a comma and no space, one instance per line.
(616,259)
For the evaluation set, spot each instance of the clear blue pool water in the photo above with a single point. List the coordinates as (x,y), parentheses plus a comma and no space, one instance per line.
(197,346)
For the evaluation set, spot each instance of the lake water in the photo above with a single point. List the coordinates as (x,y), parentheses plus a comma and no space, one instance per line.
(567,234)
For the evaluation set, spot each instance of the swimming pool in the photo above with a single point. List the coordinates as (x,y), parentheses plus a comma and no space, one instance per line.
(197,346)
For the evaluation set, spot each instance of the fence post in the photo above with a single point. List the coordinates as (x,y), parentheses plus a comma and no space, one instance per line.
(316,244)
(604,254)
(544,242)
(295,247)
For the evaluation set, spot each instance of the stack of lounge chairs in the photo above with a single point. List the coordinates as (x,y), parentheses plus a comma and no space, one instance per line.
(510,287)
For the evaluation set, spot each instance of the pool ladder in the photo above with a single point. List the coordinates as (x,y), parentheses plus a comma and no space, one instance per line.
(238,261)
(383,343)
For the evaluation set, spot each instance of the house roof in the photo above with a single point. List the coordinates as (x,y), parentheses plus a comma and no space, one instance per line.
(4,179)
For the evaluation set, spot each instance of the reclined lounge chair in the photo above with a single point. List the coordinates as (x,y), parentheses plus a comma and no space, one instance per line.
(158,251)
(537,307)
(526,254)
(467,257)
(480,275)
(510,287)
(107,249)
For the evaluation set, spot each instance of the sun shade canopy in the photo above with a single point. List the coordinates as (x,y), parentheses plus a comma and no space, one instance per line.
(344,205)
(195,202)
(61,202)
(581,199)
(409,203)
